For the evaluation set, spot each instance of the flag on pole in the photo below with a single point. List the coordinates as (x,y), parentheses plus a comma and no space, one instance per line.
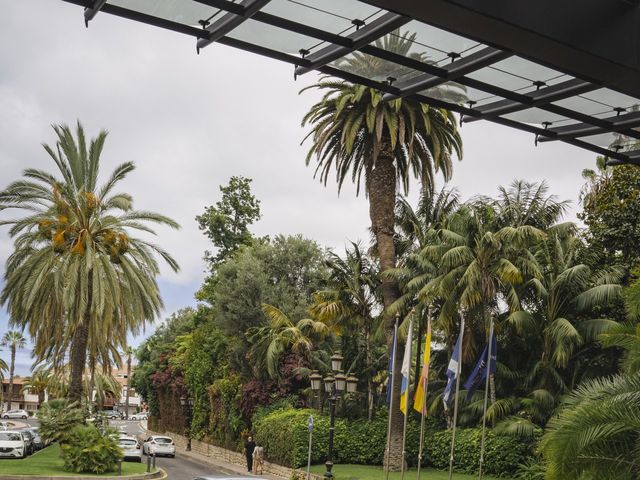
(452,372)
(389,378)
(480,372)
(421,391)
(406,369)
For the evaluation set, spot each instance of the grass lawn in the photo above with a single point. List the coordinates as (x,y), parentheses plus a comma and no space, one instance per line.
(366,472)
(48,462)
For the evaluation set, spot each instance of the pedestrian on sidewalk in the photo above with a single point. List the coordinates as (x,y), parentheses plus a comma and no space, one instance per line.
(249,447)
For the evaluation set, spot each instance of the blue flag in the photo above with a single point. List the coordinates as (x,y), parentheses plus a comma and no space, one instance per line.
(390,378)
(452,372)
(480,372)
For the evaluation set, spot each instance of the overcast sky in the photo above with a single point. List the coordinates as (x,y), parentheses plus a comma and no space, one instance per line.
(190,122)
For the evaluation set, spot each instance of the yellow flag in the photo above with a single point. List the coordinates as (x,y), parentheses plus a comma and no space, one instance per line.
(421,391)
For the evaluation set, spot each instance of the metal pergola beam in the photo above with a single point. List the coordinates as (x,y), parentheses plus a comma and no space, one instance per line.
(92,11)
(363,36)
(618,123)
(229,21)
(456,69)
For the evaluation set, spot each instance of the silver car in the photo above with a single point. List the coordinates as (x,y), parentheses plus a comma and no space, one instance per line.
(12,444)
(159,445)
(131,448)
(15,414)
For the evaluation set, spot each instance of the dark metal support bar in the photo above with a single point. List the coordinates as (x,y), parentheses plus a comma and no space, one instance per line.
(617,124)
(454,70)
(544,96)
(91,12)
(367,34)
(229,21)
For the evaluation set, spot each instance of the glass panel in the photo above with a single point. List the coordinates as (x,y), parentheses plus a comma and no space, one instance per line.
(188,13)
(373,68)
(517,74)
(333,16)
(455,93)
(274,38)
(611,140)
(612,99)
(424,42)
(582,104)
(538,116)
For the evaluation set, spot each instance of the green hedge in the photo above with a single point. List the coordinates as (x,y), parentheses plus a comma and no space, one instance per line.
(285,437)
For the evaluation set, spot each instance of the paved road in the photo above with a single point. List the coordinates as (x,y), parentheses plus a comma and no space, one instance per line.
(178,468)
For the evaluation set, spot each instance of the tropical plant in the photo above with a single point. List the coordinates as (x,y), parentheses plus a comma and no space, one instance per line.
(89,450)
(15,341)
(76,271)
(351,305)
(38,383)
(57,418)
(380,145)
(282,335)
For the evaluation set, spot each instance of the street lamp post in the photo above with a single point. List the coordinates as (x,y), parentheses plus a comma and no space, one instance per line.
(334,384)
(187,404)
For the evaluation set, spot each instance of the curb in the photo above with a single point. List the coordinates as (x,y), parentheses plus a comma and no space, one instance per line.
(160,474)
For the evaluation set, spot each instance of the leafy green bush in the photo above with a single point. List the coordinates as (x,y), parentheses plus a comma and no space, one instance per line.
(87,450)
(285,437)
(57,418)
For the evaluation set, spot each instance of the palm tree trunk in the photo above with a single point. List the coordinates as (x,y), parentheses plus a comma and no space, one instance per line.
(126,401)
(78,356)
(382,198)
(369,370)
(11,372)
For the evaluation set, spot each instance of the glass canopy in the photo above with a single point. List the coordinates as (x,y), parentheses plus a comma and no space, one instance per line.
(403,57)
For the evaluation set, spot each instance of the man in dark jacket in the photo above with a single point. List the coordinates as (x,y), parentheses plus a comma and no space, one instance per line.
(249,447)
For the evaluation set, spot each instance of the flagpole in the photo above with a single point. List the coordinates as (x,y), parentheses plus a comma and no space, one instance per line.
(486,397)
(455,408)
(408,396)
(393,383)
(423,409)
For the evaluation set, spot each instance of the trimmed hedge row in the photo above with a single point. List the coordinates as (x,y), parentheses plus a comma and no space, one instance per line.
(285,437)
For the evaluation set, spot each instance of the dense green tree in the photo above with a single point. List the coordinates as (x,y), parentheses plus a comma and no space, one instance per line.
(610,210)
(76,270)
(284,270)
(37,383)
(227,222)
(15,341)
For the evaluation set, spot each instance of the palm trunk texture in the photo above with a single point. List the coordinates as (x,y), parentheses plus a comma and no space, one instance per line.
(78,356)
(126,401)
(11,372)
(382,198)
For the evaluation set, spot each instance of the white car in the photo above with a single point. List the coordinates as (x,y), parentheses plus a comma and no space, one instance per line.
(12,444)
(139,416)
(131,448)
(15,414)
(159,445)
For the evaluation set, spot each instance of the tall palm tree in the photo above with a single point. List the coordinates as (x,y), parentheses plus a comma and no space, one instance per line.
(15,341)
(380,146)
(77,278)
(351,303)
(38,383)
(129,352)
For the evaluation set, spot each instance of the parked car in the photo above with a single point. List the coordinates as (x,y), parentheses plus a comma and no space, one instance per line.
(28,440)
(112,414)
(159,445)
(15,414)
(37,439)
(139,416)
(12,444)
(131,448)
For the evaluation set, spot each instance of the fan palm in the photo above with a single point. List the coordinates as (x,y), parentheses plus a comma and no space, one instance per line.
(15,341)
(281,335)
(77,278)
(380,145)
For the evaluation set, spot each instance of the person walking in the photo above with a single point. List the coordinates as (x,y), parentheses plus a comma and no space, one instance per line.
(249,447)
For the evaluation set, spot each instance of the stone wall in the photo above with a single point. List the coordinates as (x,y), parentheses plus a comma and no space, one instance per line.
(214,454)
